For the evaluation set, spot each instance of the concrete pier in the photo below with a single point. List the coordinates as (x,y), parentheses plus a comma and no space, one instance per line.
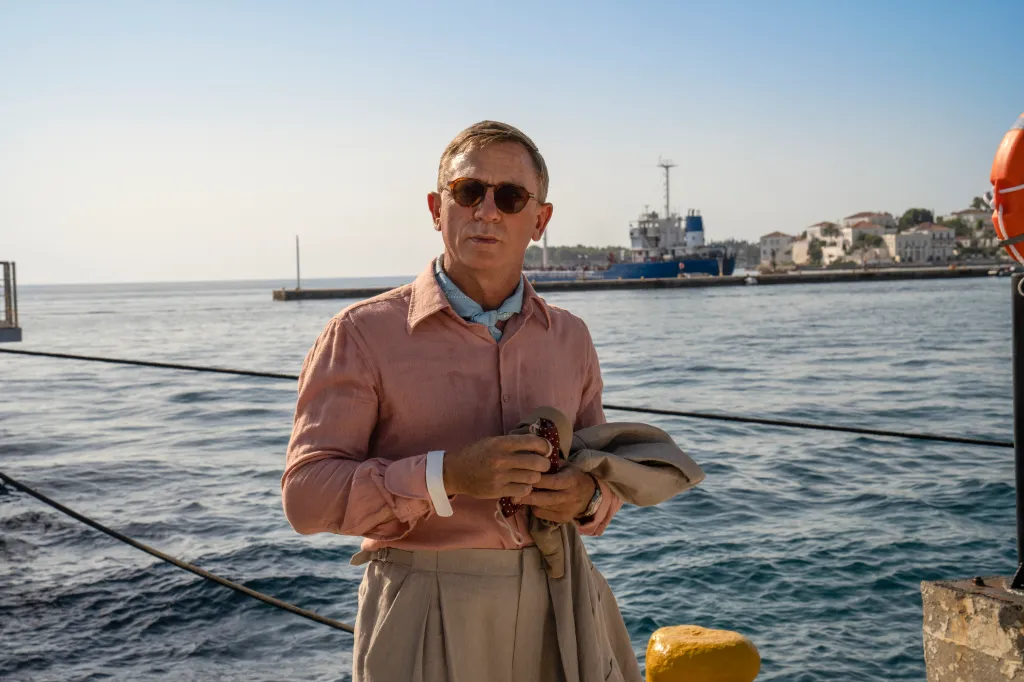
(802,277)
(973,630)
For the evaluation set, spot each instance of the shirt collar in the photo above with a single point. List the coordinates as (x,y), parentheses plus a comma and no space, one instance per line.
(426,298)
(465,307)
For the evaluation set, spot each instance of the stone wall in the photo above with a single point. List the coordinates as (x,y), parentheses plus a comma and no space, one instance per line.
(973,631)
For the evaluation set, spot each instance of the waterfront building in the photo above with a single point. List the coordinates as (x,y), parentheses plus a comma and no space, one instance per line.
(878,256)
(775,249)
(971,216)
(850,234)
(925,243)
(942,241)
(815,230)
(876,217)
(800,251)
(830,235)
(832,252)
(908,247)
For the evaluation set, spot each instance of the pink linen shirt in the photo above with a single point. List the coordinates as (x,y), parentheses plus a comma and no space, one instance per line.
(398,375)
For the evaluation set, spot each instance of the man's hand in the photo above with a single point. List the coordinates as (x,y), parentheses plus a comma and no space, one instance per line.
(505,466)
(563,496)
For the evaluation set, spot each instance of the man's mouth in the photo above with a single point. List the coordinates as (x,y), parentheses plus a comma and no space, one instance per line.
(483,240)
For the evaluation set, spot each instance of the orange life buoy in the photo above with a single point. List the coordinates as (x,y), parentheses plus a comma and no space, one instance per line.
(1008,191)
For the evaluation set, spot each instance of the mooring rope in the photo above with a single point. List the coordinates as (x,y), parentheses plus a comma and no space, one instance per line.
(783,423)
(249,592)
(148,363)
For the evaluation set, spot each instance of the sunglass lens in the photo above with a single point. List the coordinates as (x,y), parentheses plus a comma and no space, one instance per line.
(468,192)
(510,198)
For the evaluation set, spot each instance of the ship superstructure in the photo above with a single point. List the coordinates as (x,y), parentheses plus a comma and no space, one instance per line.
(666,245)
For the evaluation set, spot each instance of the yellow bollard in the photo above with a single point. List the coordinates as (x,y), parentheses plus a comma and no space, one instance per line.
(690,653)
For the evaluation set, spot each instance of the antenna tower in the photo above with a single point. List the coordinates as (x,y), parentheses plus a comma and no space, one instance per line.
(666,164)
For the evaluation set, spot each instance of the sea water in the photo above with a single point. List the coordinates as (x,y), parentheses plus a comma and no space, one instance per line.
(812,544)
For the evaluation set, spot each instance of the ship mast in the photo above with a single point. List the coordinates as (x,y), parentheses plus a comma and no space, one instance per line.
(666,164)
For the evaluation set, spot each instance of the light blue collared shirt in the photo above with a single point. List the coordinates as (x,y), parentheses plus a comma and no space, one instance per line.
(470,310)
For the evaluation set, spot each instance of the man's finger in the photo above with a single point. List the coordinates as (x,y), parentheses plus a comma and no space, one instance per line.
(525,442)
(527,476)
(546,500)
(516,491)
(538,463)
(563,480)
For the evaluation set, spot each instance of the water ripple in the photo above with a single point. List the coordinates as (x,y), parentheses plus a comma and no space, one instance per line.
(813,544)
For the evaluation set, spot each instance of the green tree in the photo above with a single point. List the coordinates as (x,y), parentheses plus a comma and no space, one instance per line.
(571,256)
(867,241)
(979,204)
(830,231)
(915,216)
(814,251)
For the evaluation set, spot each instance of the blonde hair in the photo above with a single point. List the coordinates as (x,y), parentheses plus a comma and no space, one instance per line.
(484,133)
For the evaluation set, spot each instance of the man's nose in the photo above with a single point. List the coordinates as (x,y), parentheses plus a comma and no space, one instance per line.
(486,210)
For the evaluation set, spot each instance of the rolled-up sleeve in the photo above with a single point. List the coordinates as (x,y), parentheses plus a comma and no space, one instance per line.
(329,483)
(591,413)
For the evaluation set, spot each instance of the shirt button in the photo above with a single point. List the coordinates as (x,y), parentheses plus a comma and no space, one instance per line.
(504,397)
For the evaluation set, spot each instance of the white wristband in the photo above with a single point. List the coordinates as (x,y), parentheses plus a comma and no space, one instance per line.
(435,483)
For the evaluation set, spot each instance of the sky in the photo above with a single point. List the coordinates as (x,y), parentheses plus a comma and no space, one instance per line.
(177,141)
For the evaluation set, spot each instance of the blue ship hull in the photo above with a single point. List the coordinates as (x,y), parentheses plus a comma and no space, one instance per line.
(672,268)
(654,270)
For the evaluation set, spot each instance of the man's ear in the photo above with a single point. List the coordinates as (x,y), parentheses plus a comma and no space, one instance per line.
(434,204)
(543,218)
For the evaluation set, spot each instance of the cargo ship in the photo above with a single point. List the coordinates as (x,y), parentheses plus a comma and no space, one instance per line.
(660,246)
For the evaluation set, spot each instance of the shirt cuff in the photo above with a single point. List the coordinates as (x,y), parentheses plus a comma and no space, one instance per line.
(405,480)
(435,483)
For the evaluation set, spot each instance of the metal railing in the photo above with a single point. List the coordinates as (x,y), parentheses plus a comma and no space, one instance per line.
(10,289)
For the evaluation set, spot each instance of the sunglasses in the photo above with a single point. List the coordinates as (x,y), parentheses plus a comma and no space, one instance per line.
(509,198)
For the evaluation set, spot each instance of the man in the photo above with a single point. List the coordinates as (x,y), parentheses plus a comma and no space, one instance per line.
(400,436)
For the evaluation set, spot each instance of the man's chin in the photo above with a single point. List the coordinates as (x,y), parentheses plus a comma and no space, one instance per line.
(488,257)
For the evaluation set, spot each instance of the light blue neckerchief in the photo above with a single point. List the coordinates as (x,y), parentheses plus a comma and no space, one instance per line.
(470,310)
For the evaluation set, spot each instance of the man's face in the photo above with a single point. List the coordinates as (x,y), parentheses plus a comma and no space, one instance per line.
(482,237)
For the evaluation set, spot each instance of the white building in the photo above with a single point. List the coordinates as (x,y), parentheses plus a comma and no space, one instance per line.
(873,257)
(971,216)
(775,249)
(800,251)
(883,219)
(830,253)
(988,239)
(908,247)
(814,231)
(851,233)
(833,243)
(926,243)
(943,241)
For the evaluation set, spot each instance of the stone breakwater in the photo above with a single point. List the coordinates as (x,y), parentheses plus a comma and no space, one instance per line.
(801,277)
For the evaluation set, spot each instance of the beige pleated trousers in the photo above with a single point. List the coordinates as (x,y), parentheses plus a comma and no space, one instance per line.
(474,615)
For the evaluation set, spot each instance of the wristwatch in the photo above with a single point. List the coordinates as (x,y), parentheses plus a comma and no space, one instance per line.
(595,502)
